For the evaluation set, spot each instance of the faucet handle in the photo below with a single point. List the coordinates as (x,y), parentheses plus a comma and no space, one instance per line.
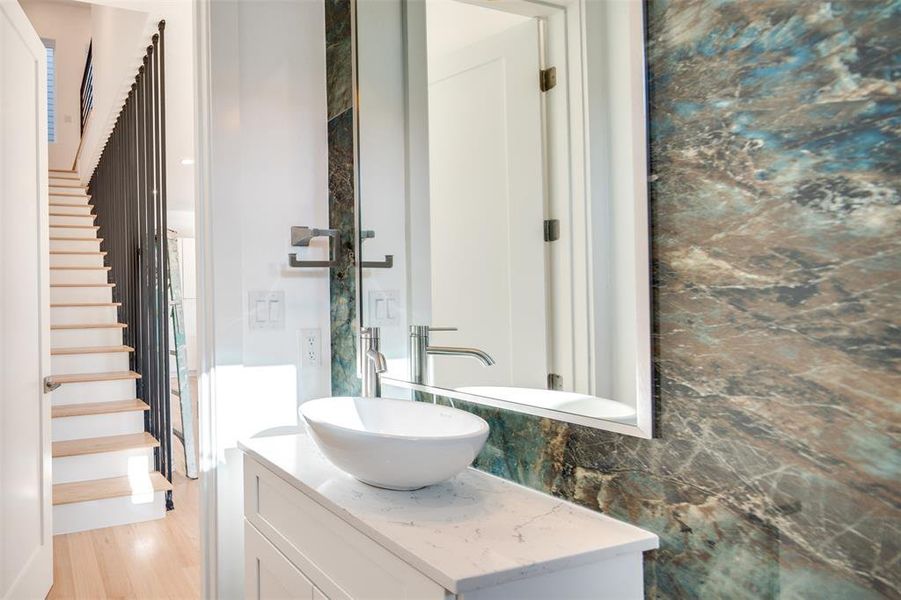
(423,331)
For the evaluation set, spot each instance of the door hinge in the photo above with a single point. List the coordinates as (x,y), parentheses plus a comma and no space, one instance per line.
(554,381)
(551,230)
(547,78)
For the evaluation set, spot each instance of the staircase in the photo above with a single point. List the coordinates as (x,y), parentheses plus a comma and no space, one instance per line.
(103,466)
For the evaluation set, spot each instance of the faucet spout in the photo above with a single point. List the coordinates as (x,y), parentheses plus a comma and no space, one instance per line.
(377,359)
(480,355)
(373,362)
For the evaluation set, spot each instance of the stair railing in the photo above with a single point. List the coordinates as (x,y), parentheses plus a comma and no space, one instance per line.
(128,190)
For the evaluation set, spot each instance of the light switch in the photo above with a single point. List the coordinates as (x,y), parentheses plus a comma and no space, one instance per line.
(384,308)
(266,310)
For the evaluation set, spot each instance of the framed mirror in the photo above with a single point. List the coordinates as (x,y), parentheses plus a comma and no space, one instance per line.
(502,204)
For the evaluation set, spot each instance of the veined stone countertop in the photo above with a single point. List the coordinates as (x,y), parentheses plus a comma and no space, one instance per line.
(470,532)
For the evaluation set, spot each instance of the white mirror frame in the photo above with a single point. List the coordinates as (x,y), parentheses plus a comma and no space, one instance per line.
(593,173)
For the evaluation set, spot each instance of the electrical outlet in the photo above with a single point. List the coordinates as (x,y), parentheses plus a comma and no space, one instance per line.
(310,347)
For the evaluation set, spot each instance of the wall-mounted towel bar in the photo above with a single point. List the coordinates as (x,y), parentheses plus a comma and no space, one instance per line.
(301,238)
(375,264)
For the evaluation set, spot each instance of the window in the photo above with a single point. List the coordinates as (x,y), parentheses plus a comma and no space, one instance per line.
(50,46)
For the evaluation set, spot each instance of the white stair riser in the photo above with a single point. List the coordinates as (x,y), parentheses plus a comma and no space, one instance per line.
(70,200)
(75,245)
(64,315)
(69,338)
(91,426)
(80,294)
(109,512)
(85,219)
(72,232)
(95,391)
(65,188)
(102,465)
(71,210)
(76,260)
(79,276)
(71,364)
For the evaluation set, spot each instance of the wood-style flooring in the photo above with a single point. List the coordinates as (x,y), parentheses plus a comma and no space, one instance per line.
(143,561)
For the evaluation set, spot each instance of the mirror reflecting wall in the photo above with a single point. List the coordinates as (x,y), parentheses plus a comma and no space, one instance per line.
(502,203)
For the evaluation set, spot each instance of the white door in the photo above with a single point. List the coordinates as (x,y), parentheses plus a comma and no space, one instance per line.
(487,210)
(26,551)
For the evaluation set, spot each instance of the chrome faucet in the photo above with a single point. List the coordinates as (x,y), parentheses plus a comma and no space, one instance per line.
(420,350)
(374,362)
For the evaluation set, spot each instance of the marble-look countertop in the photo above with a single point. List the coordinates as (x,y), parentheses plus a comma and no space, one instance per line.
(470,532)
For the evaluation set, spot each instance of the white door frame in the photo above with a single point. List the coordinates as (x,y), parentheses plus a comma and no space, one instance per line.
(206,413)
(34,576)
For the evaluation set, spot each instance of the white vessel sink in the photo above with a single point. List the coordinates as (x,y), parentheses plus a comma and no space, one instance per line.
(580,404)
(394,444)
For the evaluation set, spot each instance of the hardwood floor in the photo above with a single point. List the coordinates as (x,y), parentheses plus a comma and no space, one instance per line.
(143,561)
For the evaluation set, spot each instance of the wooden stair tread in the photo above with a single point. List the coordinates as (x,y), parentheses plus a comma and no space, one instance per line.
(114,487)
(75,239)
(69,204)
(80,268)
(83,304)
(99,445)
(90,350)
(89,326)
(94,227)
(92,377)
(56,214)
(103,253)
(98,408)
(82,285)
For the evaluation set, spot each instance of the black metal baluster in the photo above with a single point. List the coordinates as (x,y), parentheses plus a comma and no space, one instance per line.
(128,190)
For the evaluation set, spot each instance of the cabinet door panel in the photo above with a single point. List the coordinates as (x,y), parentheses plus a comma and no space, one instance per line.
(268,574)
(342,562)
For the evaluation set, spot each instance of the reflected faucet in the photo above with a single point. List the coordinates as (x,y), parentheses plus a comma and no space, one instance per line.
(374,362)
(420,350)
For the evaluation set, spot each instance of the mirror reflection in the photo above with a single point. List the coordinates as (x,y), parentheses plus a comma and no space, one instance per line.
(506,181)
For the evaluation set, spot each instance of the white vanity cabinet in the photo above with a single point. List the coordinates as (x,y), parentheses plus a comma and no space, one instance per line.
(311,531)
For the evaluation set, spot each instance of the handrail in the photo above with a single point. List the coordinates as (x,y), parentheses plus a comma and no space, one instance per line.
(87,87)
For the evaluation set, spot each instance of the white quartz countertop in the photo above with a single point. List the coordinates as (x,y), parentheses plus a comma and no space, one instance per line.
(473,531)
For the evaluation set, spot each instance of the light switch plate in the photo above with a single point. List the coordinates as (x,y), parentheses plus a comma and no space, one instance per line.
(266,310)
(384,308)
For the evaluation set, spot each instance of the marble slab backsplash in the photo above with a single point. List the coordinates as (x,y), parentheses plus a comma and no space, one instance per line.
(775,149)
(342,279)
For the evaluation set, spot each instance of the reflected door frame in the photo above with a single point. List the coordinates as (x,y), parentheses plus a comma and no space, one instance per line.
(576,336)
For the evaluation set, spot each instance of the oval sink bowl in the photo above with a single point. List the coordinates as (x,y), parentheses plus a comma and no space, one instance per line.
(394,444)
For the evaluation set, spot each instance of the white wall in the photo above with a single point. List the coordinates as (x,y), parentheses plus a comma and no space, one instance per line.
(119,39)
(382,184)
(268,171)
(618,187)
(122,31)
(68,24)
